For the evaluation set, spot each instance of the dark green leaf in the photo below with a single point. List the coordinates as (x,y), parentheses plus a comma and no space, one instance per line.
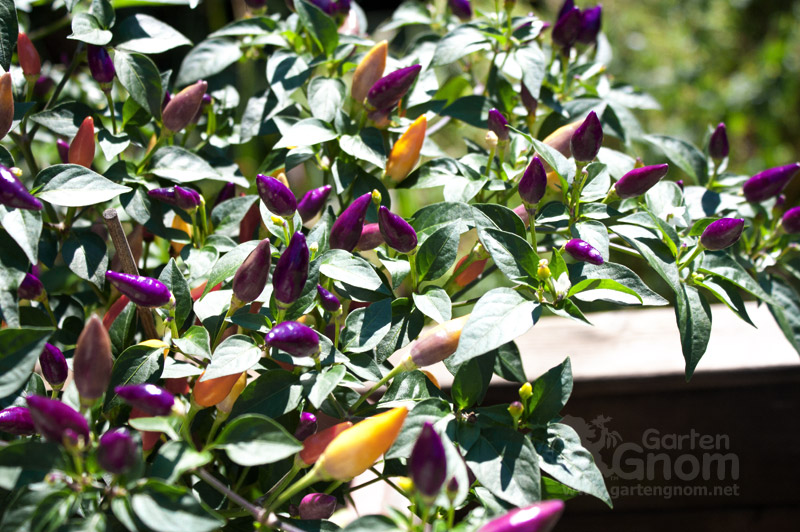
(175,458)
(367,145)
(136,365)
(319,25)
(147,35)
(307,132)
(684,155)
(508,362)
(141,78)
(172,508)
(235,354)
(123,328)
(373,523)
(19,351)
(325,97)
(471,382)
(720,264)
(325,383)
(8,32)
(25,227)
(786,310)
(85,254)
(72,185)
(182,166)
(27,461)
(694,323)
(617,272)
(550,393)
(64,119)
(253,439)
(434,303)
(87,28)
(431,411)
(462,41)
(272,394)
(226,266)
(345,267)
(513,255)
(533,63)
(195,342)
(437,253)
(173,278)
(208,58)
(366,327)
(728,293)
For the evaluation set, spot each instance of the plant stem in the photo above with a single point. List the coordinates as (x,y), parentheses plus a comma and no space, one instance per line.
(270,496)
(309,478)
(259,514)
(111,111)
(389,376)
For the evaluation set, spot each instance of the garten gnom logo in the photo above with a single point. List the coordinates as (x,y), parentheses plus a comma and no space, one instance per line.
(657,463)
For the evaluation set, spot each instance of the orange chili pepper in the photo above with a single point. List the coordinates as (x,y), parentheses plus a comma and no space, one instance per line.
(114,311)
(213,391)
(238,387)
(405,152)
(471,272)
(368,71)
(314,445)
(181,225)
(6,104)
(81,149)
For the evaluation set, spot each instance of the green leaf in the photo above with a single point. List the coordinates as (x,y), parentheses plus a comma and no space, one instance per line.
(207,59)
(684,155)
(434,303)
(720,264)
(513,255)
(167,425)
(123,329)
(26,461)
(431,410)
(372,523)
(25,227)
(19,351)
(8,32)
(533,63)
(195,342)
(347,268)
(182,166)
(412,386)
(173,278)
(437,253)
(138,364)
(64,119)
(700,225)
(72,185)
(325,383)
(226,266)
(253,25)
(306,132)
(728,293)
(616,272)
(111,145)
(365,327)
(147,35)
(367,145)
(286,73)
(694,323)
(320,26)
(471,382)
(272,394)
(786,310)
(325,97)
(104,12)
(87,28)
(460,42)
(601,284)
(498,317)
(172,508)
(85,254)
(235,354)
(141,78)
(175,458)
(550,393)
(654,251)
(253,440)
(508,363)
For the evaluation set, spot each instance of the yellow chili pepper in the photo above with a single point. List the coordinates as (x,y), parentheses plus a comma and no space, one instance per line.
(353,451)
(405,152)
(368,71)
(227,404)
(6,104)
(179,224)
(213,391)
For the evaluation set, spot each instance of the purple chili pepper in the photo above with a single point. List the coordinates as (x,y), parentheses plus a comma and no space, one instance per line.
(539,517)
(294,338)
(291,271)
(428,462)
(144,291)
(312,202)
(276,196)
(116,451)
(14,194)
(718,144)
(100,64)
(461,8)
(370,238)
(63,150)
(92,362)
(566,29)
(640,180)
(16,420)
(54,420)
(346,230)
(791,221)
(390,89)
(182,107)
(183,198)
(583,251)
(149,398)
(228,191)
(42,87)
(769,183)
(533,183)
(397,232)
(30,288)
(317,506)
(306,426)
(257,4)
(54,365)
(251,277)
(591,21)
(327,300)
(587,139)
(528,101)
(722,233)
(498,124)
(679,182)
(565,7)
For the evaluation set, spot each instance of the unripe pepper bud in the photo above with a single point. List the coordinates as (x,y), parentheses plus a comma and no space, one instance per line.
(539,517)
(28,56)
(371,237)
(183,198)
(63,150)
(428,462)
(251,277)
(317,506)
(390,89)
(291,271)
(543,271)
(791,221)
(718,144)
(30,288)
(405,152)
(54,420)
(92,362)
(314,445)
(227,192)
(144,291)
(182,107)
(312,202)
(591,20)
(54,365)
(640,180)
(533,183)
(149,398)
(116,451)
(769,183)
(226,406)
(17,420)
(516,410)
(583,251)
(369,71)
(294,338)
(213,391)
(14,194)
(528,101)
(306,427)
(525,391)
(565,7)
(567,27)
(722,233)
(6,104)
(346,230)
(327,300)
(276,196)
(100,64)
(498,124)
(397,233)
(355,450)
(436,345)
(587,139)
(461,8)
(82,148)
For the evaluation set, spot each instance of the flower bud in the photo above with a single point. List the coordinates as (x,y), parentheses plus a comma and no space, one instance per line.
(92,362)
(346,230)
(539,517)
(515,409)
(226,406)
(356,449)
(791,221)
(149,398)
(63,150)
(14,194)
(405,152)
(461,8)
(390,89)
(227,192)
(436,345)
(567,27)
(6,104)
(397,233)
(17,420)
(528,101)
(317,506)
(294,338)
(371,237)
(100,64)
(722,233)
(327,300)
(312,202)
(591,21)
(182,107)
(183,198)
(116,451)
(769,183)
(369,71)
(587,139)
(30,288)
(565,7)
(533,183)
(211,392)
(306,427)
(543,271)
(54,420)
(54,365)
(28,56)
(314,445)
(583,251)
(428,462)
(144,291)
(718,144)
(640,180)
(525,391)
(251,277)
(498,124)
(276,196)
(491,140)
(291,271)
(81,149)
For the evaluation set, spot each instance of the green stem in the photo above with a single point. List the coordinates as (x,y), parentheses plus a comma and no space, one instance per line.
(281,485)
(46,305)
(173,326)
(309,478)
(186,427)
(218,420)
(389,376)
(699,249)
(332,486)
(258,513)
(111,111)
(234,306)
